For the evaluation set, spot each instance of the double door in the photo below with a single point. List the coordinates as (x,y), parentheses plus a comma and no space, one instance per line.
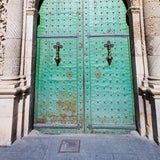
(83,68)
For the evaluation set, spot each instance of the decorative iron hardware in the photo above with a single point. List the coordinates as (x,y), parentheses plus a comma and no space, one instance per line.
(58,36)
(61,126)
(69,74)
(109,58)
(57,59)
(88,35)
(107,35)
(126,127)
(98,74)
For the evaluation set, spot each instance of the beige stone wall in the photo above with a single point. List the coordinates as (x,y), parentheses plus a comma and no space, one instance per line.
(3,22)
(152,33)
(151,94)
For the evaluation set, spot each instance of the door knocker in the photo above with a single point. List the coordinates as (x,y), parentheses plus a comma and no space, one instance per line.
(109,58)
(57,58)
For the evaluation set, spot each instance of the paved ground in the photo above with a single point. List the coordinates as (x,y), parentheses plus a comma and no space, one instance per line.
(92,147)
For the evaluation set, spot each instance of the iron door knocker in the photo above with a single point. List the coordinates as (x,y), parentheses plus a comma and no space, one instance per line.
(57,58)
(109,58)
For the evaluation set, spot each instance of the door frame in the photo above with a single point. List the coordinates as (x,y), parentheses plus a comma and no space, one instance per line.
(138,54)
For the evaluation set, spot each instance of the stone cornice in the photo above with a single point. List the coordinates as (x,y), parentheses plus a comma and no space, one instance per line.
(154,78)
(31,3)
(147,90)
(133,9)
(13,91)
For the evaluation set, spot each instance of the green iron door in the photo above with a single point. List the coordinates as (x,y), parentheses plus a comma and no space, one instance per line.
(83,71)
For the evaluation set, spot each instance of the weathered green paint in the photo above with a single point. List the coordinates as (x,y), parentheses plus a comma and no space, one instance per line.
(83,90)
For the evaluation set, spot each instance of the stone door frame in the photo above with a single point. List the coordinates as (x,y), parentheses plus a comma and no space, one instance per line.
(17,83)
(138,55)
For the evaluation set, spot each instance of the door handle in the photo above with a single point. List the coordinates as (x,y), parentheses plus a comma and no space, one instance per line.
(57,58)
(109,58)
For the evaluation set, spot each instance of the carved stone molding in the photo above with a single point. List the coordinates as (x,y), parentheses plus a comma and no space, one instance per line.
(134,2)
(3,23)
(31,4)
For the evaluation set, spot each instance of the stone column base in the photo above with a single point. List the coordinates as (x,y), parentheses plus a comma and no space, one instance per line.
(11,112)
(151,106)
(8,119)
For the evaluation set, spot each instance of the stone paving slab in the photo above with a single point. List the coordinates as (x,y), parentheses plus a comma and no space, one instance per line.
(93,147)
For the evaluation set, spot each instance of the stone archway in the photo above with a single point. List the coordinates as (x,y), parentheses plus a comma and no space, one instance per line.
(17,83)
(37,3)
(18,90)
(136,48)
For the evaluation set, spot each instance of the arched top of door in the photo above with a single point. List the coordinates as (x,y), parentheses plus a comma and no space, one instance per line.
(37,3)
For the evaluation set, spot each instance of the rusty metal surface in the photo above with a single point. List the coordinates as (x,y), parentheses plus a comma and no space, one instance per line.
(59,90)
(84,90)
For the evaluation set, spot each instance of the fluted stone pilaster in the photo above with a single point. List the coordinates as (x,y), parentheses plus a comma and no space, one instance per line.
(13,39)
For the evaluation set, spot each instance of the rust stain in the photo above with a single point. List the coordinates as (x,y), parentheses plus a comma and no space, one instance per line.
(63,115)
(109,30)
(60,103)
(103,120)
(106,132)
(77,13)
(50,114)
(82,14)
(92,131)
(98,74)
(81,46)
(69,74)
(81,120)
(62,119)
(43,120)
(68,106)
(65,111)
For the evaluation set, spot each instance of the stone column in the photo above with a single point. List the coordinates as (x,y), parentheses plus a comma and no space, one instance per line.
(152,35)
(10,86)
(13,40)
(152,32)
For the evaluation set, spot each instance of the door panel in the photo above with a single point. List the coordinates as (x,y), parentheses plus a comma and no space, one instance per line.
(109,101)
(84,93)
(110,88)
(59,89)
